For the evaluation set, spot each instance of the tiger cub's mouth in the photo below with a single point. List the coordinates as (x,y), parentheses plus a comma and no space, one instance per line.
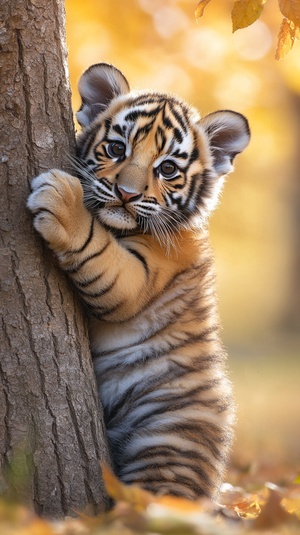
(128,210)
(118,217)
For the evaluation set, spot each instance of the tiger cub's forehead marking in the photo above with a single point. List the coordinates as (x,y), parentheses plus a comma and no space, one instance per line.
(168,121)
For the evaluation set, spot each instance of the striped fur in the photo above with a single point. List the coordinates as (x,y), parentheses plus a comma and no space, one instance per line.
(130,230)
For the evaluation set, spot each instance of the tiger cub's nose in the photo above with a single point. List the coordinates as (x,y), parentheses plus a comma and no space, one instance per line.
(126,196)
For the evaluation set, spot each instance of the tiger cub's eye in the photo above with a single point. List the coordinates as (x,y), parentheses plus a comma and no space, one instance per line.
(115,149)
(168,169)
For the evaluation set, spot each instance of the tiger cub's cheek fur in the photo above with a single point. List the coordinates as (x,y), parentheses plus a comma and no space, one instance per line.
(131,236)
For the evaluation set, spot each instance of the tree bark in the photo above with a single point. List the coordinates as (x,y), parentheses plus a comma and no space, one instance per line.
(49,410)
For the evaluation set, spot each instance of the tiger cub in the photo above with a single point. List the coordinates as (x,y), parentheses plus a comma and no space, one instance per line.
(129,227)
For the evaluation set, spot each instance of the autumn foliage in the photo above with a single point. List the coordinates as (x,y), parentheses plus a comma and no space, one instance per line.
(245,12)
(270,509)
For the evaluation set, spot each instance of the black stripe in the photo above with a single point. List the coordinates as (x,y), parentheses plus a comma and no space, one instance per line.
(177,401)
(205,186)
(136,114)
(170,405)
(97,294)
(84,144)
(183,155)
(148,99)
(104,311)
(111,412)
(118,129)
(191,485)
(167,123)
(136,394)
(107,123)
(181,491)
(196,180)
(141,133)
(177,202)
(178,117)
(207,433)
(178,135)
(144,355)
(89,238)
(195,155)
(200,364)
(169,452)
(85,260)
(141,258)
(203,476)
(160,138)
(177,187)
(85,283)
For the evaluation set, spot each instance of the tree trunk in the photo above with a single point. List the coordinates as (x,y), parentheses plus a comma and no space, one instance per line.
(49,411)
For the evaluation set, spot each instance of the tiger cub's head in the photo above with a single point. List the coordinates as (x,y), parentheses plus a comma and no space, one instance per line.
(147,161)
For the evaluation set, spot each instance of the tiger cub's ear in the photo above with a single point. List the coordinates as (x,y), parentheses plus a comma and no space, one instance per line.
(98,85)
(228,134)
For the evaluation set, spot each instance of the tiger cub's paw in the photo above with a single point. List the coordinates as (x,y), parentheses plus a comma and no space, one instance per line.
(56,201)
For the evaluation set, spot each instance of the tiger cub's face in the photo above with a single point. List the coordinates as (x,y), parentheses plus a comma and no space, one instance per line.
(147,161)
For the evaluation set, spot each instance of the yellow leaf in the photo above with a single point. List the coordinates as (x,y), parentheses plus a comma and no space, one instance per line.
(291,10)
(292,505)
(200,8)
(247,509)
(131,494)
(245,12)
(286,38)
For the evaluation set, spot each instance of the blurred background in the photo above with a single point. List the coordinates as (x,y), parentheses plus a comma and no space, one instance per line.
(158,44)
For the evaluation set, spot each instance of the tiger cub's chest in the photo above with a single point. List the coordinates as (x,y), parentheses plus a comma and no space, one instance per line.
(118,341)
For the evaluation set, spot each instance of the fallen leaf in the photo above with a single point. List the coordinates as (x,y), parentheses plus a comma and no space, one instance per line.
(200,8)
(292,504)
(273,513)
(132,494)
(291,10)
(245,12)
(140,498)
(286,38)
(247,509)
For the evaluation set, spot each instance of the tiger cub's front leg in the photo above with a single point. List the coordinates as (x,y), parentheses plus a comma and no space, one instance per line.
(99,266)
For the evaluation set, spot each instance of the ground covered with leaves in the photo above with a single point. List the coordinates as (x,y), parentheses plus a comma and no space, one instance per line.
(264,508)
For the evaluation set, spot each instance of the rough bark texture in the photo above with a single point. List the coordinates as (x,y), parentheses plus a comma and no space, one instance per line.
(49,409)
